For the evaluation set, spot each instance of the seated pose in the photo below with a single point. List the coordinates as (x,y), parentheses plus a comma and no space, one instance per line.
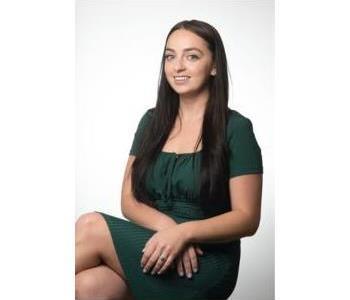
(191,189)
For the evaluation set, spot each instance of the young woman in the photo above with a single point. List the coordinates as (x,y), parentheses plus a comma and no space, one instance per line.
(192,186)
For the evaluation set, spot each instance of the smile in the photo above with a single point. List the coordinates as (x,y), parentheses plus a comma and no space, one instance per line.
(181,79)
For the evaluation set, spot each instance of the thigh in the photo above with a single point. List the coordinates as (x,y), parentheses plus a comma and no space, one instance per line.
(97,234)
(101,283)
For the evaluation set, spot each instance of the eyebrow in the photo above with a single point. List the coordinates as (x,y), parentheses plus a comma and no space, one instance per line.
(186,49)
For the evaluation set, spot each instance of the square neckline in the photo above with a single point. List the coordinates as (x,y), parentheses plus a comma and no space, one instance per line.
(181,154)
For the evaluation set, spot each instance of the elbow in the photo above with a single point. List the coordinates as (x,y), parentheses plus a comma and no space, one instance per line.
(124,213)
(252,228)
(127,205)
(124,209)
(252,225)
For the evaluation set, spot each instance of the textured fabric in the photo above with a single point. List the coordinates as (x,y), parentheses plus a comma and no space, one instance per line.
(172,183)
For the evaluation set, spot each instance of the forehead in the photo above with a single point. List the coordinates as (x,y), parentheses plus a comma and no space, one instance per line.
(182,39)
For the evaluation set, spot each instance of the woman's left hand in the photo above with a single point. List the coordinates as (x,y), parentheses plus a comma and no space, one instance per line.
(167,243)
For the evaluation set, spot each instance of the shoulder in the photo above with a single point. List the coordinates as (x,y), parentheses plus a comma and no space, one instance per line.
(237,124)
(235,117)
(245,152)
(146,117)
(148,113)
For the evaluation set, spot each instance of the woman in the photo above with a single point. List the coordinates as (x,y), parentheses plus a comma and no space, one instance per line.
(192,186)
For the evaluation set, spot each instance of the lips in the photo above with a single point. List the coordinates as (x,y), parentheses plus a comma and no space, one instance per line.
(181,79)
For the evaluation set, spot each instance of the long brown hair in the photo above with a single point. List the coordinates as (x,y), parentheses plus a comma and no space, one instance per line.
(214,162)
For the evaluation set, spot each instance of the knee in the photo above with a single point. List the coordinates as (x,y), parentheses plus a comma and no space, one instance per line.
(85,226)
(85,287)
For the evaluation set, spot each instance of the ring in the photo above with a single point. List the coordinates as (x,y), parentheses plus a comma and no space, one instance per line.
(162,257)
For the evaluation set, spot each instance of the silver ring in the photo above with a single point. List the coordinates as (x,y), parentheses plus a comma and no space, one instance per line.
(162,257)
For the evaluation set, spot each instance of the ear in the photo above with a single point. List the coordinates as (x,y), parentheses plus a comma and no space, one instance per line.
(213,71)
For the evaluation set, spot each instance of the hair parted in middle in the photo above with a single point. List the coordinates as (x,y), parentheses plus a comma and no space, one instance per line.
(214,190)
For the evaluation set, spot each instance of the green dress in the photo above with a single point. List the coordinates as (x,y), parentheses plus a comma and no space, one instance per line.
(172,184)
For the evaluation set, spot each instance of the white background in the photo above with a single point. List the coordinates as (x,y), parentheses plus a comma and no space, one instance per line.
(119,51)
(38,149)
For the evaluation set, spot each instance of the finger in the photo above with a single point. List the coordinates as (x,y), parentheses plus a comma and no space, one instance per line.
(159,262)
(147,253)
(193,259)
(180,269)
(199,250)
(149,248)
(145,257)
(152,260)
(166,264)
(187,264)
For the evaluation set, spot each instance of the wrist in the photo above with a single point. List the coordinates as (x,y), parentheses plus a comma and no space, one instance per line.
(187,231)
(166,223)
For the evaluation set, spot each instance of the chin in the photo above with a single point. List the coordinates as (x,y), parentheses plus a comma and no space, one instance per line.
(183,91)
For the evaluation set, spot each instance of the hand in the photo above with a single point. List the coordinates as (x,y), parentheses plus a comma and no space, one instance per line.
(188,260)
(166,244)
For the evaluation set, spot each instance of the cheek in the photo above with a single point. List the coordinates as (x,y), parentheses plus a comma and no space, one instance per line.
(200,74)
(168,67)
(167,72)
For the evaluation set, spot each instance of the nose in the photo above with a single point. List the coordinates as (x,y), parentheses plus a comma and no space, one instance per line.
(179,65)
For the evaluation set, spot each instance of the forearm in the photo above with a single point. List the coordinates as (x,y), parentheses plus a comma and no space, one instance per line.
(146,216)
(220,229)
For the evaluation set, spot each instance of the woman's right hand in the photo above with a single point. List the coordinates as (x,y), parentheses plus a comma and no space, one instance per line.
(187,262)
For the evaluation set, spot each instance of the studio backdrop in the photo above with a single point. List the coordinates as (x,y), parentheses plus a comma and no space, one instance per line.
(119,48)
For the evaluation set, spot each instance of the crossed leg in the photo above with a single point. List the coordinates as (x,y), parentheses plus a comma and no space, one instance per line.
(101,283)
(99,275)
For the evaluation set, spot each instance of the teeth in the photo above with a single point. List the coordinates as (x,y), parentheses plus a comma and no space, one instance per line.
(181,77)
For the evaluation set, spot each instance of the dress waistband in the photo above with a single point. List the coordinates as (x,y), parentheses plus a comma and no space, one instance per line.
(180,208)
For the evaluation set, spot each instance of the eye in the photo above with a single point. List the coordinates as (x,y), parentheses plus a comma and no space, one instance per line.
(194,57)
(166,56)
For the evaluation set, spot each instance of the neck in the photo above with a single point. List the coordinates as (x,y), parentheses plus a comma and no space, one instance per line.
(192,107)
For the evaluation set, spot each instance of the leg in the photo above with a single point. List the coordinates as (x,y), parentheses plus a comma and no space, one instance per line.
(94,246)
(100,283)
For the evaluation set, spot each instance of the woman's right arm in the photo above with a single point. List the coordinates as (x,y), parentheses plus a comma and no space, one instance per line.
(153,219)
(138,212)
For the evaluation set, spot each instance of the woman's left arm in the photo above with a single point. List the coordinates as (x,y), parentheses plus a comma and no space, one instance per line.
(243,220)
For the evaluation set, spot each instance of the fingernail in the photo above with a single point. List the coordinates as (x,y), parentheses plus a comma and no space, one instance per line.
(181,274)
(144,270)
(189,275)
(195,270)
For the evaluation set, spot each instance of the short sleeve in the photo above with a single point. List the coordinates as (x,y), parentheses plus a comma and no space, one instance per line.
(245,153)
(139,132)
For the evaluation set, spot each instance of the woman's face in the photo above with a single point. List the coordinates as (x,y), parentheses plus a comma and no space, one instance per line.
(188,62)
